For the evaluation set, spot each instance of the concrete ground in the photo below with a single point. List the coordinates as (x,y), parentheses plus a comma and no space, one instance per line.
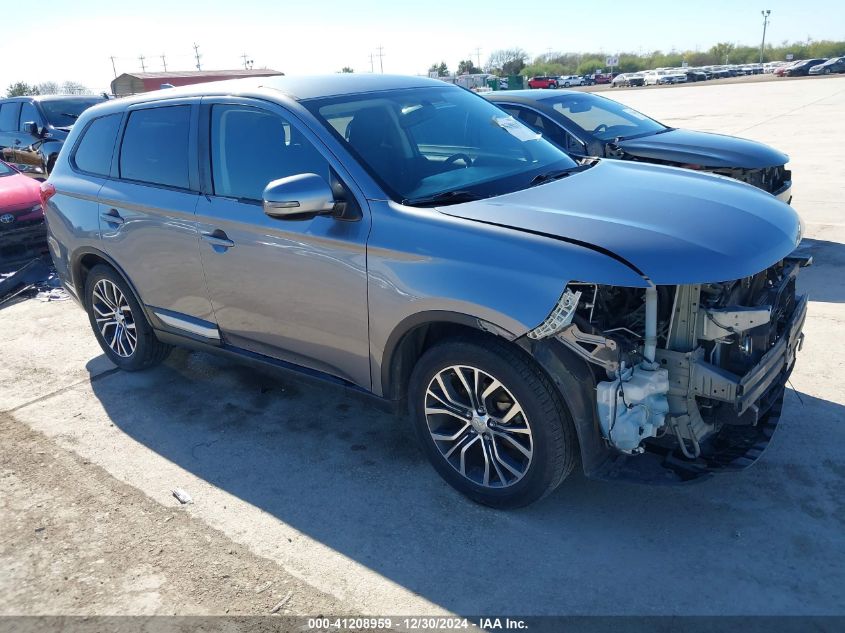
(311,489)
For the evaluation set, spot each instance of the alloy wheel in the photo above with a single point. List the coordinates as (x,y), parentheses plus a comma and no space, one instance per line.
(114,318)
(478,426)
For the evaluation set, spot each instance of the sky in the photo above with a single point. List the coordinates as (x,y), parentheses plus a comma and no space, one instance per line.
(73,40)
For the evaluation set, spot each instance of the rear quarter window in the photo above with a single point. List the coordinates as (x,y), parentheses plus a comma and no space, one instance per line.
(94,152)
(155,146)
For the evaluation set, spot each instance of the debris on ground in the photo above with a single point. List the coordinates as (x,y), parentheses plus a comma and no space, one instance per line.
(53,294)
(264,587)
(182,496)
(37,276)
(282,603)
(25,278)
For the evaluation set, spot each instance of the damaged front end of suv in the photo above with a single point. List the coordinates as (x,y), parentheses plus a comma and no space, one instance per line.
(688,376)
(683,375)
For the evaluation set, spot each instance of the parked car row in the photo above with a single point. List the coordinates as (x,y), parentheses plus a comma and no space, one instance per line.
(686,74)
(535,301)
(567,81)
(817,66)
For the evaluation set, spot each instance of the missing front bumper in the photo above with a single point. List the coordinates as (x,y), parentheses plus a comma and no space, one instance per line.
(690,375)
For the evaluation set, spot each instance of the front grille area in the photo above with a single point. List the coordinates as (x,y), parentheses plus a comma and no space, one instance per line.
(770,179)
(16,226)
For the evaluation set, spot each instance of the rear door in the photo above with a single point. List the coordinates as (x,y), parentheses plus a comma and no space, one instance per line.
(147,222)
(290,289)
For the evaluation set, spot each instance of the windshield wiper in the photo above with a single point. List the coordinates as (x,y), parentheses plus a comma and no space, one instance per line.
(447,197)
(556,174)
(70,114)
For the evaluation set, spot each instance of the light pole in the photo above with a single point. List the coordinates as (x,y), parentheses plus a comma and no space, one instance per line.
(765,15)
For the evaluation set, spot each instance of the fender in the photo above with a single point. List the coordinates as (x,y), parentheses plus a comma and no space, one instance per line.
(421,262)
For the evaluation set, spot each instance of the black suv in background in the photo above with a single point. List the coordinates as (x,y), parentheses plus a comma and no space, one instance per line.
(32,129)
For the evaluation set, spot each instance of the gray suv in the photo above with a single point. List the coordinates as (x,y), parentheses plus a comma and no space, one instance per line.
(410,239)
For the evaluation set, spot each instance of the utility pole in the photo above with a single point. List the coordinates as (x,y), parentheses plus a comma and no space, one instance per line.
(164,63)
(372,68)
(549,54)
(381,58)
(478,58)
(143,68)
(197,55)
(765,15)
(247,61)
(113,67)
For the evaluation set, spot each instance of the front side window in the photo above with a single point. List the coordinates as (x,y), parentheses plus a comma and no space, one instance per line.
(5,170)
(9,116)
(94,152)
(251,147)
(29,115)
(604,119)
(427,142)
(549,129)
(64,112)
(155,146)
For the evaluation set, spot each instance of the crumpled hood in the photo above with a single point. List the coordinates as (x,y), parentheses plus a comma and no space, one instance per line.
(18,191)
(704,148)
(673,225)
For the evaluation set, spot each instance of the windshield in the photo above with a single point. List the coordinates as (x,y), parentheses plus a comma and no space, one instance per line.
(64,112)
(602,118)
(5,170)
(428,142)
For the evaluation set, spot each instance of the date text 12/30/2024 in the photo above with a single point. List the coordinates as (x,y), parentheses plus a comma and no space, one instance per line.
(417,623)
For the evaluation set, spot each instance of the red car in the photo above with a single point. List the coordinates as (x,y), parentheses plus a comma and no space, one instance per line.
(23,234)
(542,82)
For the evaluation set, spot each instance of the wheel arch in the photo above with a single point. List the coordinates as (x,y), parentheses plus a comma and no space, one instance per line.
(417,333)
(87,258)
(570,375)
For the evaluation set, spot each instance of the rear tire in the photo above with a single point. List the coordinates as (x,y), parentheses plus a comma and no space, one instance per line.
(119,323)
(521,445)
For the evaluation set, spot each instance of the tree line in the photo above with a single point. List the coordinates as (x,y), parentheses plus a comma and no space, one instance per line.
(515,61)
(22,89)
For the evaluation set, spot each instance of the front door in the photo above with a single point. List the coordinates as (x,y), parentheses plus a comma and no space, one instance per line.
(290,289)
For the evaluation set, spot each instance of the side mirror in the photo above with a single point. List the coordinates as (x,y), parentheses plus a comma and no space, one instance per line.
(298,197)
(31,127)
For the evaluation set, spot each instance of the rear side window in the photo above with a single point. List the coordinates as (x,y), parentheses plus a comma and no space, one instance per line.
(155,146)
(94,152)
(9,116)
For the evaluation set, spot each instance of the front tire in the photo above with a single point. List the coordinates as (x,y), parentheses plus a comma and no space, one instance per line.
(119,323)
(491,422)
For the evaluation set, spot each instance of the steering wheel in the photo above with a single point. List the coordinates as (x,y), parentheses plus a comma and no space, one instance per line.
(459,156)
(601,127)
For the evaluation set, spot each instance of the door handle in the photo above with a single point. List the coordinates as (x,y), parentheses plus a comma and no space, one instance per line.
(218,239)
(112,217)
